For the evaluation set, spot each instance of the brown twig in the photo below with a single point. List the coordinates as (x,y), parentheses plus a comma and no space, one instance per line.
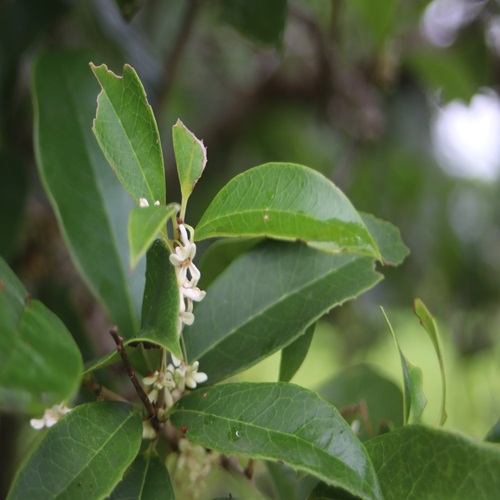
(102,392)
(150,407)
(362,409)
(249,468)
(231,465)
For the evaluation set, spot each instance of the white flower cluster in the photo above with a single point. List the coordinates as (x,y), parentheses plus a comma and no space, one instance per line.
(188,276)
(192,467)
(173,381)
(50,417)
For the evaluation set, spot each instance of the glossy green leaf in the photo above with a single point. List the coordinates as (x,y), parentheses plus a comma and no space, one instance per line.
(288,202)
(493,435)
(281,422)
(190,157)
(266,299)
(146,479)
(84,455)
(90,204)
(414,400)
(40,364)
(293,355)
(143,227)
(361,393)
(259,20)
(417,462)
(427,321)
(160,308)
(387,238)
(220,254)
(126,130)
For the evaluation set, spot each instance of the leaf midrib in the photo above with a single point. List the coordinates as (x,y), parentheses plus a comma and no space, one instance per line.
(291,436)
(282,299)
(92,458)
(105,94)
(259,211)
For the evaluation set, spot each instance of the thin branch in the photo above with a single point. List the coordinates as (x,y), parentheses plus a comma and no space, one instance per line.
(231,465)
(249,468)
(150,407)
(185,28)
(102,392)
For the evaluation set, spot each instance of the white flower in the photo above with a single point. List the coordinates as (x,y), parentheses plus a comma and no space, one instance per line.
(160,382)
(186,375)
(50,417)
(176,361)
(195,464)
(183,257)
(186,317)
(143,203)
(148,431)
(192,293)
(194,377)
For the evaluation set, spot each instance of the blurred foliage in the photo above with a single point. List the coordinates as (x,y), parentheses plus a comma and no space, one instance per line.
(348,88)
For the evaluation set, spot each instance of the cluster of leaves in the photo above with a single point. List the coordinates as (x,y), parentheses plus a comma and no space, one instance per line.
(296,248)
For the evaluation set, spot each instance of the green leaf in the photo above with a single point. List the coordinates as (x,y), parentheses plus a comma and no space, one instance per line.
(90,204)
(146,479)
(220,254)
(84,455)
(379,400)
(266,299)
(418,462)
(427,321)
(293,355)
(143,227)
(324,492)
(40,364)
(446,71)
(126,130)
(284,481)
(190,156)
(140,360)
(493,435)
(387,238)
(259,20)
(160,308)
(288,202)
(414,400)
(280,422)
(379,17)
